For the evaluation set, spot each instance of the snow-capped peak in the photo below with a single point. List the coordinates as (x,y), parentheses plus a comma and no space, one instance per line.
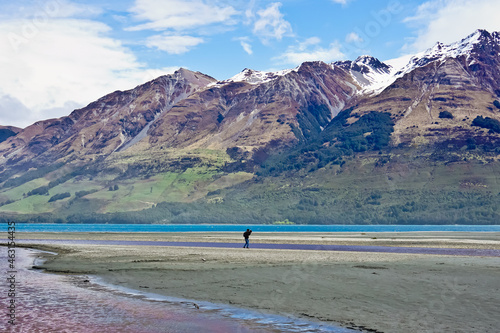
(369,72)
(372,75)
(256,77)
(371,62)
(441,52)
(382,74)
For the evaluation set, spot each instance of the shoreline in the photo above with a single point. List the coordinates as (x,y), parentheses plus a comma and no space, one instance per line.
(444,239)
(377,292)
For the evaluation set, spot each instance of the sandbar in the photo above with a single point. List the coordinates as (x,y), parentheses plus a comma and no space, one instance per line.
(372,292)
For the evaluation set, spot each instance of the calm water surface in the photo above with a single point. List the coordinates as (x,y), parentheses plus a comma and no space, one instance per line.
(67,303)
(42,227)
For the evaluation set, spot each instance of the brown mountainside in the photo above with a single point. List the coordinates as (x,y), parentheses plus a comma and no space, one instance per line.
(321,126)
(465,85)
(191,110)
(104,126)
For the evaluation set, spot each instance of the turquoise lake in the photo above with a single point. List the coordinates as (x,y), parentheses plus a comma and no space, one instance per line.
(35,227)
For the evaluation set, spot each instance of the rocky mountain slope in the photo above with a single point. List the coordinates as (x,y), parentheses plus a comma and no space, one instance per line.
(8,131)
(291,144)
(461,78)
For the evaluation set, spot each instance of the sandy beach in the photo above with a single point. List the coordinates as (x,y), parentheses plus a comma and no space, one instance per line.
(372,292)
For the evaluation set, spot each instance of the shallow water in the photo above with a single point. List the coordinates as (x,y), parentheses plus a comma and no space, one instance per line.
(72,303)
(52,227)
(345,248)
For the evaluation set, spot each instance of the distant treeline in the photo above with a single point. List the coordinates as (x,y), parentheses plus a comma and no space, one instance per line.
(314,206)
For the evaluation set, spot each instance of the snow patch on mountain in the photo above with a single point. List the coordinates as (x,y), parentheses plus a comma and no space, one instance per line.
(374,76)
(253,77)
(369,73)
(440,52)
(378,81)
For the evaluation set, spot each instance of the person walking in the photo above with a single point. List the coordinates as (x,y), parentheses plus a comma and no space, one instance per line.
(246,235)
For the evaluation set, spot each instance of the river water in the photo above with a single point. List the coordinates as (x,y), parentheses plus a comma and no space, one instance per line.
(73,303)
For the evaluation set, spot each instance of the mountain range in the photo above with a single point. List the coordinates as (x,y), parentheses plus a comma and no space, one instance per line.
(413,140)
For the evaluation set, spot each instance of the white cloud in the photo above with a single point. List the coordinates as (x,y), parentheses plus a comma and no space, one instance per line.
(247,47)
(39,11)
(173,44)
(13,112)
(64,9)
(250,11)
(271,23)
(48,70)
(179,15)
(179,20)
(297,55)
(342,2)
(353,38)
(309,42)
(245,44)
(448,21)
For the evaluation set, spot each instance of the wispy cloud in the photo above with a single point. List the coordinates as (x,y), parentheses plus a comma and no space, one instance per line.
(179,15)
(245,44)
(271,23)
(41,10)
(51,66)
(310,50)
(182,22)
(342,2)
(192,19)
(308,42)
(173,44)
(353,37)
(450,20)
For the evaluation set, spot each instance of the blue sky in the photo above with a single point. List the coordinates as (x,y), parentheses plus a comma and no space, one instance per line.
(58,55)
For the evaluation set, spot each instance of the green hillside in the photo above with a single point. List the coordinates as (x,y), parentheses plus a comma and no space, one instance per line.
(347,173)
(388,186)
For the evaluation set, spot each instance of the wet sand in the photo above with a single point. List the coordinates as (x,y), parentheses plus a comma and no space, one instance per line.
(49,303)
(376,292)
